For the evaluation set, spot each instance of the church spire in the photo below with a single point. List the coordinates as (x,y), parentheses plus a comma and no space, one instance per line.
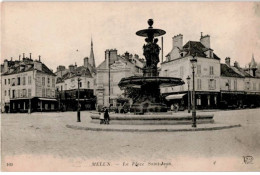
(91,57)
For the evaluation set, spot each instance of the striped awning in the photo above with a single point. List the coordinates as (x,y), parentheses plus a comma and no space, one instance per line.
(175,96)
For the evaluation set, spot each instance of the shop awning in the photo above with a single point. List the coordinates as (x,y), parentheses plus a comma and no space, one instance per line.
(175,96)
(48,99)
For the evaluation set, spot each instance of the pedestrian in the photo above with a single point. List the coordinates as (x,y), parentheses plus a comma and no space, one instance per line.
(176,106)
(106,116)
(101,117)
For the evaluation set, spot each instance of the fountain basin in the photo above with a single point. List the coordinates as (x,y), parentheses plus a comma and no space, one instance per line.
(155,118)
(137,82)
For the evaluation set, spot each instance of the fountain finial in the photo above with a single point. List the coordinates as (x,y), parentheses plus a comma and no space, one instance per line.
(150,23)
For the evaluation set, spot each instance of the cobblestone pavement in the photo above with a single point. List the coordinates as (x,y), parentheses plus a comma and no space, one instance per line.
(46,134)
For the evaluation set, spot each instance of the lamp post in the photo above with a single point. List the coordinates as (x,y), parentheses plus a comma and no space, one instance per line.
(78,110)
(188,82)
(109,80)
(193,62)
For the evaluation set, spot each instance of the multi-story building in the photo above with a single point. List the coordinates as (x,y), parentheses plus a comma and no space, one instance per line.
(69,80)
(111,71)
(27,85)
(207,70)
(216,84)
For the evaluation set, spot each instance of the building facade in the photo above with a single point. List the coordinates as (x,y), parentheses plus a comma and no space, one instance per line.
(109,74)
(27,86)
(207,71)
(217,85)
(70,80)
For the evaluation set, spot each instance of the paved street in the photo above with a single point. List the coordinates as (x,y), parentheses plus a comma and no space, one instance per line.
(42,142)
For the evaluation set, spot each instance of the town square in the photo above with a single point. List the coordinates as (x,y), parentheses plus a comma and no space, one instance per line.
(91,91)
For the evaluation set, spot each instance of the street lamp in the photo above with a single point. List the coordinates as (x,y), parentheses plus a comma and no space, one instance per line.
(188,82)
(78,110)
(193,62)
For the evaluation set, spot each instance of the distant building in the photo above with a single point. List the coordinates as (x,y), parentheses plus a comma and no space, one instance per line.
(111,71)
(217,85)
(67,84)
(27,85)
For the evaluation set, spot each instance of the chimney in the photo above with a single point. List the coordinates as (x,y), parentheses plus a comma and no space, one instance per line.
(86,61)
(111,55)
(5,65)
(236,64)
(76,65)
(177,41)
(205,40)
(30,55)
(23,55)
(39,58)
(227,61)
(127,55)
(11,58)
(71,68)
(19,57)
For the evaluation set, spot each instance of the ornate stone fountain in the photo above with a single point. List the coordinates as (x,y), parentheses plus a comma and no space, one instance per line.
(148,98)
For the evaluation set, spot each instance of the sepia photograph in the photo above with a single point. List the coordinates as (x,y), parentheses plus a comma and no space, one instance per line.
(130,86)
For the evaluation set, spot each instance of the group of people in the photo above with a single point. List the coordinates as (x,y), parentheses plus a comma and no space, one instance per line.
(104,116)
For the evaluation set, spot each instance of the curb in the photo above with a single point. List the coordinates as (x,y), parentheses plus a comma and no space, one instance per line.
(151,130)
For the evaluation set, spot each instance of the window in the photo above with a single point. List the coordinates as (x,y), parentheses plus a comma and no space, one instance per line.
(88,84)
(43,81)
(43,92)
(13,95)
(198,84)
(9,92)
(13,81)
(80,84)
(247,85)
(212,84)
(5,81)
(61,87)
(29,80)
(19,93)
(198,69)
(228,84)
(211,70)
(29,92)
(48,80)
(24,80)
(53,82)
(24,92)
(48,92)
(18,81)
(254,86)
(235,84)
(5,93)
(9,81)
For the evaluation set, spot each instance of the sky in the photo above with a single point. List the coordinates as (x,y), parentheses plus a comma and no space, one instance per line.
(61,31)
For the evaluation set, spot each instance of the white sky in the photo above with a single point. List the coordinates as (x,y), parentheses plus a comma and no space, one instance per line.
(56,30)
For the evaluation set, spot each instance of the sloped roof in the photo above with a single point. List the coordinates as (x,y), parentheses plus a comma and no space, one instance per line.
(27,68)
(228,72)
(81,71)
(241,71)
(197,48)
